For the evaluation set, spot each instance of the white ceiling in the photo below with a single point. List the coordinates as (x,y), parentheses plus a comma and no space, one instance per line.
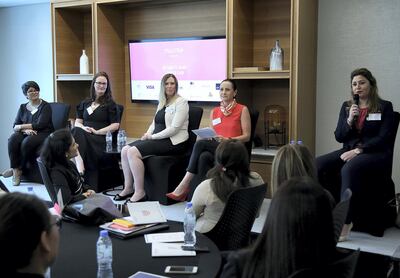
(11,3)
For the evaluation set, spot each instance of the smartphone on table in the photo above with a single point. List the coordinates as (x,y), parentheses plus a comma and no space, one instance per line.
(181,269)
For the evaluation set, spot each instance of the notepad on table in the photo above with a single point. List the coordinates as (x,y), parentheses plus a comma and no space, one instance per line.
(164,237)
(146,213)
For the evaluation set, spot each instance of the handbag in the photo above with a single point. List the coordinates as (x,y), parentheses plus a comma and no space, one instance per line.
(97,209)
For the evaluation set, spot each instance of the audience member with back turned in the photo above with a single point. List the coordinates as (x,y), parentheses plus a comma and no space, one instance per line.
(57,151)
(31,126)
(364,127)
(231,172)
(294,160)
(167,135)
(230,120)
(29,236)
(298,233)
(95,116)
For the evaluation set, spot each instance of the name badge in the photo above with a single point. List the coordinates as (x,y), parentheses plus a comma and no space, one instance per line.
(89,110)
(170,109)
(374,117)
(216,121)
(34,111)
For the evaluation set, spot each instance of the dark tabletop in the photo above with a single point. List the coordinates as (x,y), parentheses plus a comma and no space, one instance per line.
(77,254)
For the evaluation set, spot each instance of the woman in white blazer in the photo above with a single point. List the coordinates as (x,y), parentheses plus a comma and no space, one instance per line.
(167,135)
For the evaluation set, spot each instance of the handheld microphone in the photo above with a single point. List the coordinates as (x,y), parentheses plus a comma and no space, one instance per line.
(356,99)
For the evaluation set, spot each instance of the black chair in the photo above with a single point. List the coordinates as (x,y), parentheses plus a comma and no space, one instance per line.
(47,181)
(60,113)
(163,173)
(233,229)
(108,174)
(342,268)
(206,159)
(339,213)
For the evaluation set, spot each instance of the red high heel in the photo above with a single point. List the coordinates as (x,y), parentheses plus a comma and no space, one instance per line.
(179,198)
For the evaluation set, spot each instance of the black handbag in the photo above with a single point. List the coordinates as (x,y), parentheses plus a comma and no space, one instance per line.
(97,209)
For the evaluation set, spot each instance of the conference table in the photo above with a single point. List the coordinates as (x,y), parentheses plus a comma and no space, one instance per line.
(77,254)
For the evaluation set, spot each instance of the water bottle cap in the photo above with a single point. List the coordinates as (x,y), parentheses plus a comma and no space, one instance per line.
(104,233)
(189,204)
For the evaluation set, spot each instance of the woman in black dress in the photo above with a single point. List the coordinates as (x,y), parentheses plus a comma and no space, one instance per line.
(57,151)
(167,135)
(31,126)
(95,116)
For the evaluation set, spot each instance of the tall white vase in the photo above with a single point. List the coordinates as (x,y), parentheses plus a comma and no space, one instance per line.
(84,63)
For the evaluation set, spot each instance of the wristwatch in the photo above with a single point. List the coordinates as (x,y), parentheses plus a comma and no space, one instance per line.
(357,151)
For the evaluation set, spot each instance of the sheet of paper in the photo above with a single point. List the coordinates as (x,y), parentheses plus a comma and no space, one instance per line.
(205,133)
(162,249)
(164,237)
(146,213)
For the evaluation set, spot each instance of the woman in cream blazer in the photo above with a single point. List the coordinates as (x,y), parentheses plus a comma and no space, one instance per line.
(167,135)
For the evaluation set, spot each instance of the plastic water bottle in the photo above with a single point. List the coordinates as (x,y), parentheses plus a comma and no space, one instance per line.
(48,273)
(121,139)
(30,190)
(104,256)
(189,224)
(108,141)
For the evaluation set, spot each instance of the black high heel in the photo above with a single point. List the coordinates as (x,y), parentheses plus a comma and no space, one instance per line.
(121,198)
(143,199)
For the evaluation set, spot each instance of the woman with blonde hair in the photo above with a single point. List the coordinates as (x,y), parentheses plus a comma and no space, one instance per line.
(292,160)
(167,135)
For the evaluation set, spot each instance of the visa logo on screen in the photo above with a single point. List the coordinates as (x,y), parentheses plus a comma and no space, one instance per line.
(150,87)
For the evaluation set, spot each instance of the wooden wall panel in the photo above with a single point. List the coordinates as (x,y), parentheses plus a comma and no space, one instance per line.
(72,93)
(111,52)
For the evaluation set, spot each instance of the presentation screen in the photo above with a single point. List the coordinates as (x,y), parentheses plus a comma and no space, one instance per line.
(199,63)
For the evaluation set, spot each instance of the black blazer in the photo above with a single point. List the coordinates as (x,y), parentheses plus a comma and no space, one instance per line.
(41,121)
(69,181)
(374,135)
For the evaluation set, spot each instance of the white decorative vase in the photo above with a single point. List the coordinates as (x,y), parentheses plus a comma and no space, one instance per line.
(276,57)
(84,63)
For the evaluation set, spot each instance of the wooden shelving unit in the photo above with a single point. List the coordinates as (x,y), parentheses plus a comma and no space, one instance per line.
(104,27)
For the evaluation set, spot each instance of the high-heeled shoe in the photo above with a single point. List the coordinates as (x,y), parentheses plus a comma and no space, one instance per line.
(345,236)
(16,177)
(143,199)
(180,198)
(7,173)
(122,197)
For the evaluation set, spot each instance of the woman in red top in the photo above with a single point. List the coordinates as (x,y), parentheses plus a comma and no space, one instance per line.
(230,120)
